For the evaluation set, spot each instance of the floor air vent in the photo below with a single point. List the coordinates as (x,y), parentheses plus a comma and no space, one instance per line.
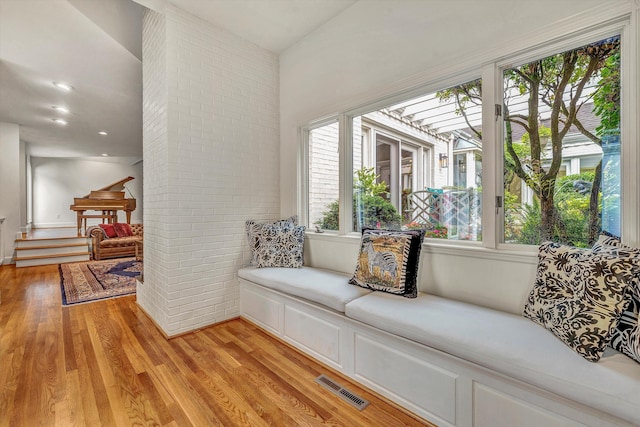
(345,394)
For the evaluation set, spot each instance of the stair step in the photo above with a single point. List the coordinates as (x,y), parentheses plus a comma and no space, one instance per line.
(26,258)
(68,245)
(31,261)
(59,248)
(51,250)
(24,243)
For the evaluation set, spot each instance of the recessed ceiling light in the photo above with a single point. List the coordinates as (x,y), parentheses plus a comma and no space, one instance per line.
(60,121)
(61,109)
(102,133)
(63,86)
(104,155)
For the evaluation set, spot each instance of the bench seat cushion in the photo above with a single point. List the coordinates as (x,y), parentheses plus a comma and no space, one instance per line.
(509,344)
(325,287)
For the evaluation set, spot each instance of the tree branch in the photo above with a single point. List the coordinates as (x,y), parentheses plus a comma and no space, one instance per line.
(586,133)
(463,111)
(521,74)
(518,122)
(569,64)
(517,164)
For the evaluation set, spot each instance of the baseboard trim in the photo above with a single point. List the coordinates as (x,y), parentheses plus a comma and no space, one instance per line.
(181,334)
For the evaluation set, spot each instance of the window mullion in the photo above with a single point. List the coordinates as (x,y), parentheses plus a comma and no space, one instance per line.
(491,156)
(303,175)
(630,151)
(346,173)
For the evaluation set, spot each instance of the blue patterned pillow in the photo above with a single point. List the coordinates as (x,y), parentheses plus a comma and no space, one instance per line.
(579,295)
(280,247)
(626,336)
(388,261)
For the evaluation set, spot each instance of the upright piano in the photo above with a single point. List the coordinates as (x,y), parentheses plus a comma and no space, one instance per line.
(107,200)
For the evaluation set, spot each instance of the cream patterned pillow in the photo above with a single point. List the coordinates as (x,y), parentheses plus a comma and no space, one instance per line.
(579,296)
(278,247)
(255,229)
(626,335)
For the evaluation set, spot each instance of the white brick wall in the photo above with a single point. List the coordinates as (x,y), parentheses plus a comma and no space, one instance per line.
(211,150)
(152,296)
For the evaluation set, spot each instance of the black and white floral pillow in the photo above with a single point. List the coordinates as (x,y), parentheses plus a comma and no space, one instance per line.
(255,230)
(604,240)
(579,295)
(626,336)
(280,247)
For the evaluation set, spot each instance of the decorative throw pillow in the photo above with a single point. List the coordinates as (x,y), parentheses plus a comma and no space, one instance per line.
(606,239)
(626,335)
(122,229)
(579,296)
(280,247)
(109,230)
(255,229)
(388,261)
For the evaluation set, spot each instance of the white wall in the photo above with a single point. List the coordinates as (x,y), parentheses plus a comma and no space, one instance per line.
(57,181)
(22,173)
(211,152)
(10,194)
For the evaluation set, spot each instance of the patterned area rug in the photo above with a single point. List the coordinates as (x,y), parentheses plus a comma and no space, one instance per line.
(96,280)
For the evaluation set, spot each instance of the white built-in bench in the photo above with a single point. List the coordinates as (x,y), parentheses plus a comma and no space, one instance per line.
(453,363)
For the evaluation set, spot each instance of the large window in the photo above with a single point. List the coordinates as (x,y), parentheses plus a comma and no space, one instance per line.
(554,150)
(562,146)
(424,171)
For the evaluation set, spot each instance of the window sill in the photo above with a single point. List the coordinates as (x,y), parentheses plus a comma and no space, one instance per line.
(525,254)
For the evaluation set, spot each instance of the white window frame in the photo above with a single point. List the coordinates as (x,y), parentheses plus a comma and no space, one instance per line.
(623,20)
(346,221)
(620,29)
(304,167)
(395,145)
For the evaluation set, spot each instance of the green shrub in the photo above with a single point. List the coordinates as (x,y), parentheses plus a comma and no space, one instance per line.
(523,223)
(369,212)
(375,212)
(329,220)
(370,208)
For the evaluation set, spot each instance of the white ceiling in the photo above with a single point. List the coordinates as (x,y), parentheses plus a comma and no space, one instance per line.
(272,24)
(95,45)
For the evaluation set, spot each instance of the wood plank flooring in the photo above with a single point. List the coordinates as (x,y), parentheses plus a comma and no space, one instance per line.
(105,364)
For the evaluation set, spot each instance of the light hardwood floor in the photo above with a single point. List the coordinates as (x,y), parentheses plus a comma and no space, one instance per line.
(105,364)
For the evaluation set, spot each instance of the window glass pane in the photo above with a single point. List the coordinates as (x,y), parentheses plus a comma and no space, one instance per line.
(562,146)
(408,181)
(419,165)
(323,177)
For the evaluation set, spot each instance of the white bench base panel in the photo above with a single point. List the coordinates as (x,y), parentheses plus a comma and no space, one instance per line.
(441,388)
